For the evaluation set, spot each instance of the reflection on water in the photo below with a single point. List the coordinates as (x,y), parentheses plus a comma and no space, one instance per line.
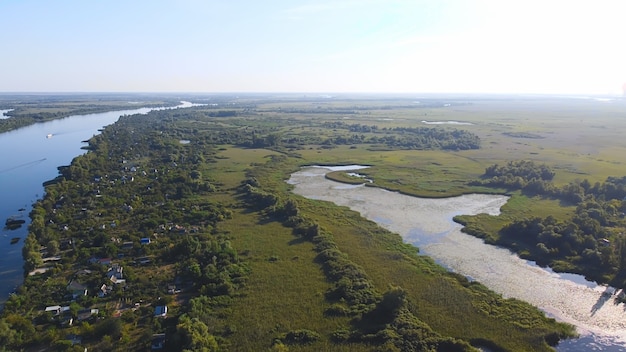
(428,224)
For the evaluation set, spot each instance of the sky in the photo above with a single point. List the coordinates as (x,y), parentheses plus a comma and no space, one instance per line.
(376,46)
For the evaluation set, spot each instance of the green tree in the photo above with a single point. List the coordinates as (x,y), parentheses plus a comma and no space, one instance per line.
(53,247)
(7,335)
(31,253)
(195,335)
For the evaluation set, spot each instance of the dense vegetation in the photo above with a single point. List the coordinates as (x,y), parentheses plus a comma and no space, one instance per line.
(181,209)
(591,242)
(406,137)
(103,207)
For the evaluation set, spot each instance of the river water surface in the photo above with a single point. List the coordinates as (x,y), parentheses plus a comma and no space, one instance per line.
(427,223)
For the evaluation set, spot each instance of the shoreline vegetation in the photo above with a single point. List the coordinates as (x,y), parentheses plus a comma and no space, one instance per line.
(591,242)
(202,245)
(29,109)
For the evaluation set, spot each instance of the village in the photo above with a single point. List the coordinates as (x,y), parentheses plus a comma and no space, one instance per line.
(85,303)
(99,287)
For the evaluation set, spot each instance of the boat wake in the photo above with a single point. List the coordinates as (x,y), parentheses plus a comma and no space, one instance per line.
(23,165)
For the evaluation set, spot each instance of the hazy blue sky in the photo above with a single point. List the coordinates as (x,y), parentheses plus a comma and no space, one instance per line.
(499,46)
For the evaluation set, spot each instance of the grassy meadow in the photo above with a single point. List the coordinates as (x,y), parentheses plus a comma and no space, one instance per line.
(578,138)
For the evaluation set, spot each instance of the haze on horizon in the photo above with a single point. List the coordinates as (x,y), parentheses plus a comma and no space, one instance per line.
(380,46)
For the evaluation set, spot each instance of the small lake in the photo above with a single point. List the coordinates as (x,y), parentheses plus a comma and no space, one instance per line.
(30,156)
(427,223)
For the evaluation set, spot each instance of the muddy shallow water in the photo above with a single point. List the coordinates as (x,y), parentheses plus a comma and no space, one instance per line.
(427,223)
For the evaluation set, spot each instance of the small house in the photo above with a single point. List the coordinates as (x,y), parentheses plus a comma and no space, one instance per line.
(57,310)
(104,290)
(117,271)
(117,281)
(85,314)
(160,311)
(158,342)
(143,260)
(83,272)
(77,289)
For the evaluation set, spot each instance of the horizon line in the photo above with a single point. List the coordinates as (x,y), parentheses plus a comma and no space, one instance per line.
(304,93)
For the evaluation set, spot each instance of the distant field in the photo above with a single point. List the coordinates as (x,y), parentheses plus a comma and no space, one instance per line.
(580,138)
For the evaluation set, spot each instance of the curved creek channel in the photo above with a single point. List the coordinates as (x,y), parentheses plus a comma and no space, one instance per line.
(427,223)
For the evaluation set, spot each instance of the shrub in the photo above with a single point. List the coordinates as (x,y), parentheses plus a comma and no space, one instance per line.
(337,310)
(341,335)
(301,337)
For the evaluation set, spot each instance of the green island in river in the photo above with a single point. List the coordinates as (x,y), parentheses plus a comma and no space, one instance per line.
(177,229)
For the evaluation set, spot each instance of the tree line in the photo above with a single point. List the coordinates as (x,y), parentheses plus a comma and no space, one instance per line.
(591,242)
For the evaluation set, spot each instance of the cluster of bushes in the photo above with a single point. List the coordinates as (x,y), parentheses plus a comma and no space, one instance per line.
(613,188)
(525,169)
(536,179)
(591,249)
(437,138)
(419,138)
(588,243)
(523,174)
(211,265)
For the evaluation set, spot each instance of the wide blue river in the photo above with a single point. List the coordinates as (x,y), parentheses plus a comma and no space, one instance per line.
(30,156)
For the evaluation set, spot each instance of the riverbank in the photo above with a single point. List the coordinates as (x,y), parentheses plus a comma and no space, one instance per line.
(23,174)
(26,110)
